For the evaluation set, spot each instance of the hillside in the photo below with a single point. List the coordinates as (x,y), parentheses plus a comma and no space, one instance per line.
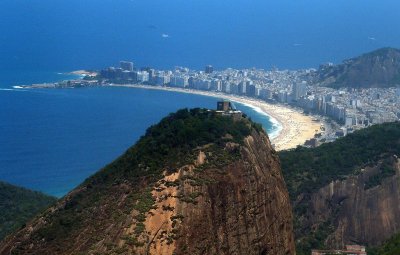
(390,247)
(380,68)
(18,205)
(346,191)
(196,183)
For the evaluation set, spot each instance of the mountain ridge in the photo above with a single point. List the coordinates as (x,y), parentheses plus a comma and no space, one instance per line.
(379,68)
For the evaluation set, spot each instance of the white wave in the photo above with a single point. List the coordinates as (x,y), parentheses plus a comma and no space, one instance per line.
(276,131)
(13,89)
(276,125)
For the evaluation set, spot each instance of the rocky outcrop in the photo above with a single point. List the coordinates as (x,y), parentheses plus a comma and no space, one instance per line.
(380,68)
(242,208)
(230,198)
(358,214)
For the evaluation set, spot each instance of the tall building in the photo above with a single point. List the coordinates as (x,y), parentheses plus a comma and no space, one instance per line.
(282,96)
(216,85)
(126,65)
(242,88)
(209,69)
(179,81)
(108,73)
(299,90)
(142,76)
(250,90)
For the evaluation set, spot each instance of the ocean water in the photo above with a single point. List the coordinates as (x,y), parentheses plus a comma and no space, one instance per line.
(52,139)
(67,35)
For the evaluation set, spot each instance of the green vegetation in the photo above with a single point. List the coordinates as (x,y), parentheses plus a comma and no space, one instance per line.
(379,52)
(385,170)
(315,239)
(18,205)
(125,184)
(307,170)
(169,144)
(391,247)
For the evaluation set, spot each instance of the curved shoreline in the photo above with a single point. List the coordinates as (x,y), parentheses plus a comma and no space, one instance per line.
(293,127)
(277,126)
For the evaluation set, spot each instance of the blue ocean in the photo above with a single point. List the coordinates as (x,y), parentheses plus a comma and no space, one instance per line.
(51,140)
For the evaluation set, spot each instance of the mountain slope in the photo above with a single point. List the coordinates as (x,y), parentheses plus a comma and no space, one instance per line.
(196,183)
(346,191)
(390,247)
(380,68)
(18,205)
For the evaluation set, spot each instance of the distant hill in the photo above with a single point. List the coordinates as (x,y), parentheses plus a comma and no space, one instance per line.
(18,205)
(380,68)
(346,191)
(196,183)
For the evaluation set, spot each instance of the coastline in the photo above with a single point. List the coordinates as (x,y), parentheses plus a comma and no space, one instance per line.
(293,127)
(83,73)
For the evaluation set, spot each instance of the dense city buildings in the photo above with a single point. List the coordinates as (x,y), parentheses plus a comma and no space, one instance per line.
(346,109)
(209,69)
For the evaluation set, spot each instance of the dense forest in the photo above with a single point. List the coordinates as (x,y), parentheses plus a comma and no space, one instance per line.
(18,205)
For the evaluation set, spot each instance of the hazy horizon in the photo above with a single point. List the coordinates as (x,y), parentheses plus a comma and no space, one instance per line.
(60,35)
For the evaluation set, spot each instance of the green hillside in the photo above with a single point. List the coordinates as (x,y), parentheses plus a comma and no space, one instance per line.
(18,205)
(376,69)
(306,170)
(391,247)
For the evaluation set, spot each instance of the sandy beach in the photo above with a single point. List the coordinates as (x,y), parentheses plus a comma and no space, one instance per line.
(296,127)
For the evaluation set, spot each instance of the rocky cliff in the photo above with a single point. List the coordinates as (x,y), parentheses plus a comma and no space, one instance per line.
(196,183)
(359,214)
(347,191)
(380,68)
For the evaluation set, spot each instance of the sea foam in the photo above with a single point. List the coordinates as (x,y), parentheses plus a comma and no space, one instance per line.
(276,125)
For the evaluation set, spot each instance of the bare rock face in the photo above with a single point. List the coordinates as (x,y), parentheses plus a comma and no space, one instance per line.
(367,216)
(230,198)
(243,210)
